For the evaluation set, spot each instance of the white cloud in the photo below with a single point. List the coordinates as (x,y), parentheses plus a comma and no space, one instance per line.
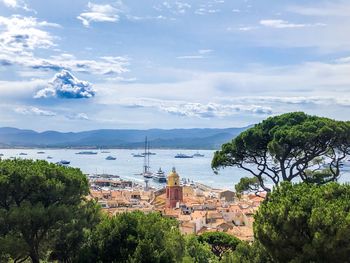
(176,8)
(190,57)
(343,60)
(279,23)
(10,3)
(101,13)
(78,116)
(195,110)
(34,111)
(247,28)
(22,34)
(103,66)
(293,100)
(328,8)
(313,79)
(211,7)
(17,4)
(66,86)
(205,51)
(205,11)
(201,54)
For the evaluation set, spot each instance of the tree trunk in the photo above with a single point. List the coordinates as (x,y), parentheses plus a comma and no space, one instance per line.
(34,255)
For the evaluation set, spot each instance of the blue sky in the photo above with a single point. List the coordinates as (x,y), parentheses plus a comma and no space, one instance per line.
(81,65)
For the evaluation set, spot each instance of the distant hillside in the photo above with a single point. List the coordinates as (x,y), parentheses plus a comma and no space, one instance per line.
(158,138)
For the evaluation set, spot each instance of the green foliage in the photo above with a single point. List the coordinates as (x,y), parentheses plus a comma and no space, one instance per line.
(219,242)
(305,223)
(247,253)
(198,252)
(284,147)
(135,237)
(248,184)
(39,200)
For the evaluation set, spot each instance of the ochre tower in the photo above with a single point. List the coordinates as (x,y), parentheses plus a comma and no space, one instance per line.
(173,190)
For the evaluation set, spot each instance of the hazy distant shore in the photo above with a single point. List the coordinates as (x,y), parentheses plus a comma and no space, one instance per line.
(206,139)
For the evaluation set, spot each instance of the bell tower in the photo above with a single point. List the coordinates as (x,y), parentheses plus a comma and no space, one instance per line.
(173,190)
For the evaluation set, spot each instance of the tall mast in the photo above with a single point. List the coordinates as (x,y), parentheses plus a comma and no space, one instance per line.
(145,169)
(148,154)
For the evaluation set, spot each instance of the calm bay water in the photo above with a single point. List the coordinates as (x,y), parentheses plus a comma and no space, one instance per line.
(127,167)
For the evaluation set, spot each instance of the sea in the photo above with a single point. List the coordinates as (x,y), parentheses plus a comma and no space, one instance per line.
(196,169)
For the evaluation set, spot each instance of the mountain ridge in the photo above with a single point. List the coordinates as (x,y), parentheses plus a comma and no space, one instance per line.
(192,138)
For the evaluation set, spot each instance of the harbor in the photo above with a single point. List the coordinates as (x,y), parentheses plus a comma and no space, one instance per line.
(130,168)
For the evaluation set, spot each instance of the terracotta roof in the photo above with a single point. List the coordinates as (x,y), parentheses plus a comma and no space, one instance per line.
(198,214)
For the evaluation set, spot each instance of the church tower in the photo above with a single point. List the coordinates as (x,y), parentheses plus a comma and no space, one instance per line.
(173,190)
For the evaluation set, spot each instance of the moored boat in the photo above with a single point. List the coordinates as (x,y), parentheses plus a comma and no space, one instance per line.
(111,158)
(183,156)
(63,162)
(138,155)
(150,153)
(86,152)
(160,176)
(197,154)
(147,174)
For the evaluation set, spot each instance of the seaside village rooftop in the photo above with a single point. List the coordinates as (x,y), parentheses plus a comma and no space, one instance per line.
(197,207)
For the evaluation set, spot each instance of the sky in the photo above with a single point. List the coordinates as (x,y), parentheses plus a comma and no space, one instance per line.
(84,65)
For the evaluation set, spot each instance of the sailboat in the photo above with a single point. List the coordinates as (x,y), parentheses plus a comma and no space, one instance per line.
(146,172)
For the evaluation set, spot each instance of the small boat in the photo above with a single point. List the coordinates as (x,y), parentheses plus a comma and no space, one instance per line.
(63,162)
(40,152)
(110,158)
(138,155)
(149,153)
(197,154)
(105,152)
(23,154)
(86,152)
(183,156)
(160,176)
(148,174)
(48,157)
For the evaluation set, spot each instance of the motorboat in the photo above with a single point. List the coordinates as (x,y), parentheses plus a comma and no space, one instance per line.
(87,152)
(40,152)
(150,153)
(183,156)
(138,155)
(160,176)
(63,162)
(147,174)
(197,154)
(111,158)
(48,157)
(23,154)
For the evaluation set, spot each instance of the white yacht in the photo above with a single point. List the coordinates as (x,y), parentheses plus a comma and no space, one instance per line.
(160,176)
